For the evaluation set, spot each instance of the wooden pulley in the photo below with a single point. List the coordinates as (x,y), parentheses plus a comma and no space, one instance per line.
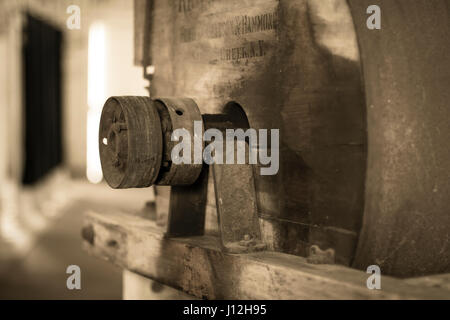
(178,113)
(130,142)
(135,141)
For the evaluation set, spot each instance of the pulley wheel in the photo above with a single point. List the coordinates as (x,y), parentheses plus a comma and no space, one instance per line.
(130,142)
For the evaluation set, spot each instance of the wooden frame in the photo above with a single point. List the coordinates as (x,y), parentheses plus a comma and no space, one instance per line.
(197,266)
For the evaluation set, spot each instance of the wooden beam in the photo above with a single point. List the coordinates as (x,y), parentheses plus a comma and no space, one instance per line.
(198,267)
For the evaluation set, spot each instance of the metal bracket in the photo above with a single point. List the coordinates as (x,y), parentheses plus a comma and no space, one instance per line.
(235,194)
(234,187)
(136,152)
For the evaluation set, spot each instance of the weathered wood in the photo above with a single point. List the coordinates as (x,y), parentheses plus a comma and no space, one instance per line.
(436,281)
(293,66)
(407,70)
(139,30)
(187,208)
(198,267)
(130,142)
(137,287)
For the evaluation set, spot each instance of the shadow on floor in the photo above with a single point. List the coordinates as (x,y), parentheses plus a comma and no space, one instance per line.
(41,274)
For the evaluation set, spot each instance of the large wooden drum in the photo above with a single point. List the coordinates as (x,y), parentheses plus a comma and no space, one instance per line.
(363,116)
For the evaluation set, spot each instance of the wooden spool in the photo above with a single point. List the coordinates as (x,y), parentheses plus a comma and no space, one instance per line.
(130,142)
(179,113)
(135,141)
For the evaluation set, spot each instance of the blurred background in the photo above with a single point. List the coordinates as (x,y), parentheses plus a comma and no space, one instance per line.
(59,61)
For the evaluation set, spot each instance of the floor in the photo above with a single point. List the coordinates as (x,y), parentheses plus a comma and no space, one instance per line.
(40,273)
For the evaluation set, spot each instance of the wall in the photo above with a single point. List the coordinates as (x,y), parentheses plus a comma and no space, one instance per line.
(24,212)
(122,77)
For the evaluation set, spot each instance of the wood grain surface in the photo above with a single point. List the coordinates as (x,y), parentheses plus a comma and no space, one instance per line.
(197,266)
(293,66)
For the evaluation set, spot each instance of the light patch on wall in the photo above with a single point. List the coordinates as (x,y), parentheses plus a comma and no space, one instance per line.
(333,27)
(96,98)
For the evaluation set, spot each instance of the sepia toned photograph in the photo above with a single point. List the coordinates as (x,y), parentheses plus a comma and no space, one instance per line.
(247,152)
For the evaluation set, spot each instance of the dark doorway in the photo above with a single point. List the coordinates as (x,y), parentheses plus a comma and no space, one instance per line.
(42,98)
